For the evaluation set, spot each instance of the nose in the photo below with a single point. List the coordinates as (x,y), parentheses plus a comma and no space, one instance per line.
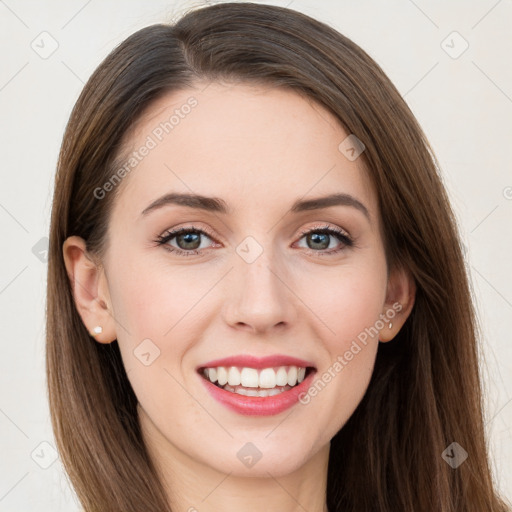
(258,297)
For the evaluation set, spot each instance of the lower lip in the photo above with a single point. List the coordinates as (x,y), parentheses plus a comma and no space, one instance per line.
(259,405)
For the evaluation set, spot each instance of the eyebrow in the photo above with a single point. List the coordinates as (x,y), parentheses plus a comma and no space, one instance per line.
(217,205)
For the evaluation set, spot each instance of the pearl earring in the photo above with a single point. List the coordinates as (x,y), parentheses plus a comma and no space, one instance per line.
(98,329)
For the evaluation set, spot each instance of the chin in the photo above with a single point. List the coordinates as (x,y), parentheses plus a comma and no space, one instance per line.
(259,455)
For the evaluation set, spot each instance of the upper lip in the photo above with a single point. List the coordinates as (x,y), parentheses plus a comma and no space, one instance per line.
(248,361)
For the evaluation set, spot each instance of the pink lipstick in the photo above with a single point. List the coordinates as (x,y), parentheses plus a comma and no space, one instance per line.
(257,386)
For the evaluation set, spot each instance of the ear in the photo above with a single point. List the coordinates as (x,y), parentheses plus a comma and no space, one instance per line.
(400,295)
(90,289)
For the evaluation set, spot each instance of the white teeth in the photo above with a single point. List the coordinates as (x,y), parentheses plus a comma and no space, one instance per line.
(240,390)
(292,376)
(212,374)
(249,377)
(222,376)
(266,378)
(282,376)
(233,376)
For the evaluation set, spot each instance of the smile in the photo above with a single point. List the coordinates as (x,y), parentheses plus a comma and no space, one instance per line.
(257,386)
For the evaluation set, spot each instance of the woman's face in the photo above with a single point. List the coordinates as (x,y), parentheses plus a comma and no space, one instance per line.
(247,283)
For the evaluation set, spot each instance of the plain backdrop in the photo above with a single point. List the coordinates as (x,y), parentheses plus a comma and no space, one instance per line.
(451,62)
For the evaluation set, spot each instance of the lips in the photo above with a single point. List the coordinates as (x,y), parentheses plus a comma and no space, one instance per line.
(257,386)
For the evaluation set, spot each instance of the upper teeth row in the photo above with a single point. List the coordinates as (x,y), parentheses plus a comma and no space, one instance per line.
(253,378)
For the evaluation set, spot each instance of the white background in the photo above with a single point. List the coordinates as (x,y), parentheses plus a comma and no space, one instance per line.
(464,105)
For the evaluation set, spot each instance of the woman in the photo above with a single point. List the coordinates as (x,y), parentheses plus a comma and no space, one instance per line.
(257,298)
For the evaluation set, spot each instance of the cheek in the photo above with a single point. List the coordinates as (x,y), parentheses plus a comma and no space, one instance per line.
(154,301)
(158,317)
(152,309)
(351,313)
(347,300)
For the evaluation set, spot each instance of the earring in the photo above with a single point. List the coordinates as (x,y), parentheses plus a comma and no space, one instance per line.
(390,325)
(97,330)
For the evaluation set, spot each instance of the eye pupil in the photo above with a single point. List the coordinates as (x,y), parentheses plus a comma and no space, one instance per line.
(316,238)
(186,238)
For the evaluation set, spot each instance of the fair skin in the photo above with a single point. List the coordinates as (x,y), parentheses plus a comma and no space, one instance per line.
(260,150)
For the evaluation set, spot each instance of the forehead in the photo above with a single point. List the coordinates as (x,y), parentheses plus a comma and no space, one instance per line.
(256,147)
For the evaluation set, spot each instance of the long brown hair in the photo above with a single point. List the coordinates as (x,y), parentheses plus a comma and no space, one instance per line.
(425,392)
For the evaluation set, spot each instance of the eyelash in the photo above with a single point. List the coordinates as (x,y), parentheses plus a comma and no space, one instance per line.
(339,234)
